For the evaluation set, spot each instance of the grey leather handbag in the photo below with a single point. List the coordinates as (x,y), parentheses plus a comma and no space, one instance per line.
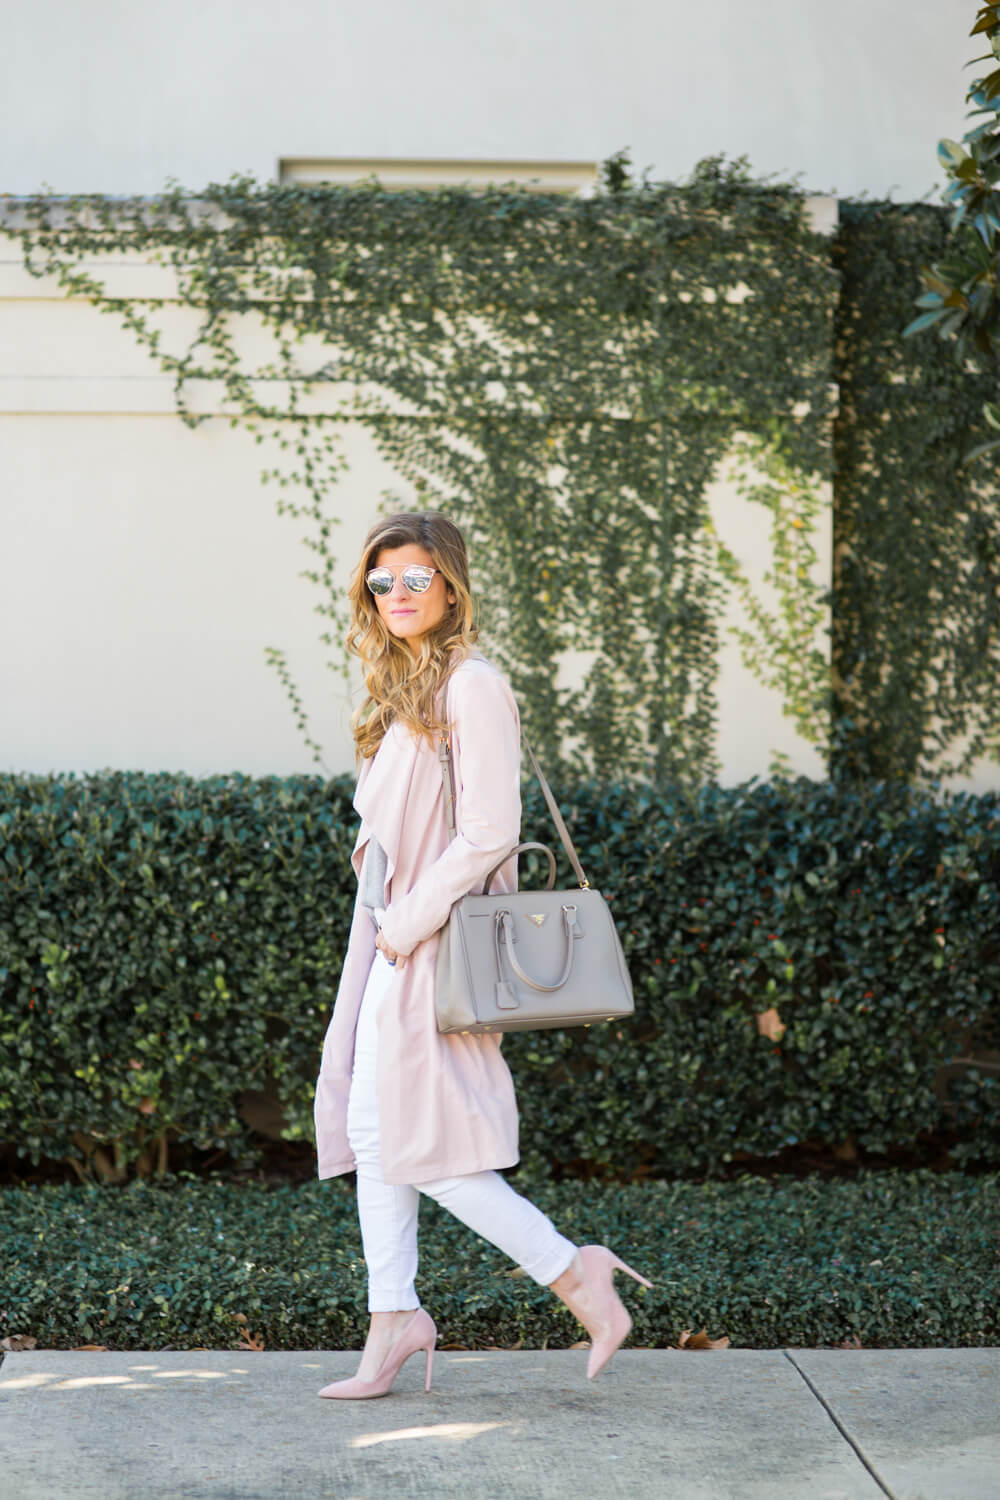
(528,960)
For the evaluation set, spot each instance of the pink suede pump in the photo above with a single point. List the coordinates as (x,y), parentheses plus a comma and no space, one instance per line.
(600,1309)
(419,1333)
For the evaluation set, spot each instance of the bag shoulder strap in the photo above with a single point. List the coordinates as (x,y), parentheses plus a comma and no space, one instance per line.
(447,776)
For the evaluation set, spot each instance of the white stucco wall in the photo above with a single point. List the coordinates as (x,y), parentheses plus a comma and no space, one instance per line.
(115,97)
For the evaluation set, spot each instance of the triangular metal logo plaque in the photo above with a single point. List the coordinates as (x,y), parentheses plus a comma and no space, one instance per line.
(538,917)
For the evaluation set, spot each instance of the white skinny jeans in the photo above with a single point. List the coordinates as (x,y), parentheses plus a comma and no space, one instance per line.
(484,1201)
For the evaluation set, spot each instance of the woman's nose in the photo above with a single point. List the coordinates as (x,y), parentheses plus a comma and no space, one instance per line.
(399,589)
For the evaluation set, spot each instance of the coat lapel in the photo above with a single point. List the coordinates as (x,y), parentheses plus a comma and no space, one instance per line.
(382,794)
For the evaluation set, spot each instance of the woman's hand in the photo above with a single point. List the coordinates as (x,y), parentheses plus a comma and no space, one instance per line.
(398,959)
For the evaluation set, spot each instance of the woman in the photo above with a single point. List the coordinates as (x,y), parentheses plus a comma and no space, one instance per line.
(410,1110)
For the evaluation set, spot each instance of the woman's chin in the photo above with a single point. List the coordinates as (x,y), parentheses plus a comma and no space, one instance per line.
(410,638)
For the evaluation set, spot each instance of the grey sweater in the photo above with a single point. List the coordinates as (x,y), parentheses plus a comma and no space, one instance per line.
(373,872)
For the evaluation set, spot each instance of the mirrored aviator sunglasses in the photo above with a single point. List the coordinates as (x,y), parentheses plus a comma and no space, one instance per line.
(416,578)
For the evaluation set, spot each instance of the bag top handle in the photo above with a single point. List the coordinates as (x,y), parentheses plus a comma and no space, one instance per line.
(444,755)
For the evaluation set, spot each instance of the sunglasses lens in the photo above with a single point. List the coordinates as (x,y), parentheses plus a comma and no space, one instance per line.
(379,580)
(418,580)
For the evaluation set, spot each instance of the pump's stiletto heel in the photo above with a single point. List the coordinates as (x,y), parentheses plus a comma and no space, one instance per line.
(419,1333)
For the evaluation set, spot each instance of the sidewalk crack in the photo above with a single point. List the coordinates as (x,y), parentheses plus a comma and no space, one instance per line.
(840,1427)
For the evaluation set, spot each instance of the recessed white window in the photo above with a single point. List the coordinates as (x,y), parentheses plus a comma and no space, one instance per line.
(424,172)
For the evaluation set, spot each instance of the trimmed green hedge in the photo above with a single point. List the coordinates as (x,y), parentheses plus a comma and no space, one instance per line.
(890,1259)
(167,943)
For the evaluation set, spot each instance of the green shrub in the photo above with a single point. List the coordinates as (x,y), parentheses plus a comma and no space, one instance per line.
(890,1259)
(867,917)
(167,943)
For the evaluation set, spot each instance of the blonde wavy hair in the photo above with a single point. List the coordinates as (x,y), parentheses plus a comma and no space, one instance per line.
(403,684)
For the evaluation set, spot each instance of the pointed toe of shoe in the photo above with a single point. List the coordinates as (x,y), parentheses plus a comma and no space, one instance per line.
(602,1349)
(353,1390)
(610,1318)
(419,1333)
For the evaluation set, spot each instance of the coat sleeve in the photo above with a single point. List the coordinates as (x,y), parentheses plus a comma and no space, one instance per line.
(486,744)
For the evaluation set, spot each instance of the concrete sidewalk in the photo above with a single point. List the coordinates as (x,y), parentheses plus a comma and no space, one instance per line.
(738,1424)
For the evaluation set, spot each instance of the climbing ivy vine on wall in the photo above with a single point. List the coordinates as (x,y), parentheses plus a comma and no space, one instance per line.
(564,376)
(916,621)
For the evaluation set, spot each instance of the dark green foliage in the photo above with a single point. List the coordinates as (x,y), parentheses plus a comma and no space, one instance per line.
(916,588)
(166,943)
(960,300)
(900,1260)
(868,917)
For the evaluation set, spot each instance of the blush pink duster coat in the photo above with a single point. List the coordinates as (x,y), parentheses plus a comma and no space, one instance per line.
(446,1103)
